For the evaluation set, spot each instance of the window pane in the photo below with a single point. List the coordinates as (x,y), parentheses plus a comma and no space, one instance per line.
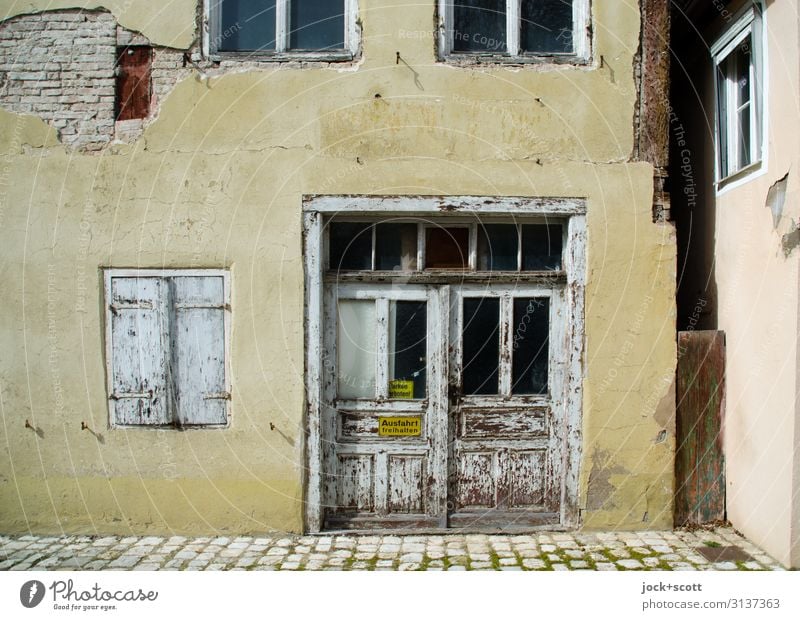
(479,25)
(744,136)
(497,247)
(530,358)
(446,248)
(247,25)
(316,24)
(546,26)
(481,345)
(350,245)
(541,247)
(356,349)
(742,68)
(408,329)
(722,116)
(396,247)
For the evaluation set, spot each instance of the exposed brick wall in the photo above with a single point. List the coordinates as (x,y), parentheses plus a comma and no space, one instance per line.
(59,66)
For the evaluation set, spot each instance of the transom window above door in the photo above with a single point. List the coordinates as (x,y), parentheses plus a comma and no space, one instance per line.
(405,245)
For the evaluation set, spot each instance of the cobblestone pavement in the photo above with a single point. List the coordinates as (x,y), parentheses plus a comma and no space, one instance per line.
(678,550)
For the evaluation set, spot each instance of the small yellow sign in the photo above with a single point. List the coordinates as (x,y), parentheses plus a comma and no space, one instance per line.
(400,426)
(401,388)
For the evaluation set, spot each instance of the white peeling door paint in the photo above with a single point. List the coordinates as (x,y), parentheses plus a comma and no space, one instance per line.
(372,480)
(507,447)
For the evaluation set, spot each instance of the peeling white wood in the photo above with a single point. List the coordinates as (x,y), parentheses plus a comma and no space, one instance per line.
(198,349)
(190,346)
(137,353)
(506,328)
(382,348)
(444,205)
(312,253)
(575,265)
(513,26)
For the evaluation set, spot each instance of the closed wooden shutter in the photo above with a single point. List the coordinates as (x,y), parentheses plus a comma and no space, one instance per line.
(139,347)
(198,350)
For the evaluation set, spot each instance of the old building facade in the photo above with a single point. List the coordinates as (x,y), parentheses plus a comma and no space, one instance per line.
(397,264)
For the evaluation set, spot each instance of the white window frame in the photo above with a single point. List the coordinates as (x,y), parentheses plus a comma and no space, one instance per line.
(212,33)
(749,23)
(581,37)
(108,275)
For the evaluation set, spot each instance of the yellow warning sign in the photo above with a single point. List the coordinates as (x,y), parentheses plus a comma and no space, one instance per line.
(401,388)
(400,426)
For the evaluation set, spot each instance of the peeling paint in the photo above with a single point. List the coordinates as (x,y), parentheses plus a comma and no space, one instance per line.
(776,197)
(601,490)
(790,241)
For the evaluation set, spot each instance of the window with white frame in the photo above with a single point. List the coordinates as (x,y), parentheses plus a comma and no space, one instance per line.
(739,90)
(275,28)
(515,29)
(166,347)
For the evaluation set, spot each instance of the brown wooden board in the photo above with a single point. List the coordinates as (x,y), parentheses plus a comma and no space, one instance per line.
(699,457)
(133,82)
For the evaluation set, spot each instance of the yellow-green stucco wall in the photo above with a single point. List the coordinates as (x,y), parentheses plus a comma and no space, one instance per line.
(216,181)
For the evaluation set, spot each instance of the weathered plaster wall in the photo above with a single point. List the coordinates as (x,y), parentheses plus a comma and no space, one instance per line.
(217,179)
(171,24)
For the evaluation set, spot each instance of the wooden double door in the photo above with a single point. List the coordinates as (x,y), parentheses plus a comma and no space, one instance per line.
(443,405)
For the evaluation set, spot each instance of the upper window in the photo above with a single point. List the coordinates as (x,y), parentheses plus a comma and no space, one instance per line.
(739,86)
(272,28)
(406,245)
(166,346)
(514,29)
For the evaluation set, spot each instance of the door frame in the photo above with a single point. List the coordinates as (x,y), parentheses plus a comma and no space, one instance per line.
(316,208)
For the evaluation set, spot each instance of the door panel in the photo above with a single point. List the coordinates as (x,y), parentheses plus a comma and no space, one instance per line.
(384,419)
(506,408)
(485,447)
(406,481)
(356,482)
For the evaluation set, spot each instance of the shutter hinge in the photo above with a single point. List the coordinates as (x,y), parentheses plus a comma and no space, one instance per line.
(217,396)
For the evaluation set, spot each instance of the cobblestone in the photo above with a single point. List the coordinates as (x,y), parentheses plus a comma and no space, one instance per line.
(602,551)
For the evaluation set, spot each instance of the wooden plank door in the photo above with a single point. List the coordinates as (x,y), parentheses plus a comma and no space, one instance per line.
(507,406)
(699,458)
(384,415)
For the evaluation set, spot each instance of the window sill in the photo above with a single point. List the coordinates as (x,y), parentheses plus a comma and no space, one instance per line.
(168,427)
(740,177)
(467,59)
(283,57)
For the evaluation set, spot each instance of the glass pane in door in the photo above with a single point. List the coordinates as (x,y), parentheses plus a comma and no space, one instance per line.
(356,340)
(530,355)
(481,345)
(408,344)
